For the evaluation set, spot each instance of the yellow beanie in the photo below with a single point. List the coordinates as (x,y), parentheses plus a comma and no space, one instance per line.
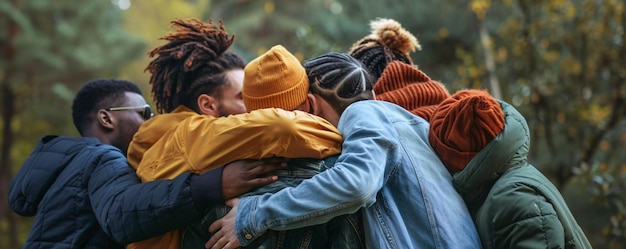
(274,79)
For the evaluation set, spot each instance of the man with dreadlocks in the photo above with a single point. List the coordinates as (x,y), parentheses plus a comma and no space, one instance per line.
(196,82)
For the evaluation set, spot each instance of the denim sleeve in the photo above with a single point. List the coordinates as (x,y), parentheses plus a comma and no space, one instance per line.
(351,184)
(130,211)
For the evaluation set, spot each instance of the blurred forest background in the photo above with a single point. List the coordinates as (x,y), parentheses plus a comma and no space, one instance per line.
(561,63)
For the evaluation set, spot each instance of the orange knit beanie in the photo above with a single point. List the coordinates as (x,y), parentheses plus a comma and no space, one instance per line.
(406,86)
(463,125)
(276,79)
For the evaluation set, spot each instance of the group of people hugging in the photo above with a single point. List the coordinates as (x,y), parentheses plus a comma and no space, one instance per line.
(344,150)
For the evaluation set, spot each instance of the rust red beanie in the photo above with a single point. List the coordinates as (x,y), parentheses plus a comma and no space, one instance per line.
(407,86)
(462,125)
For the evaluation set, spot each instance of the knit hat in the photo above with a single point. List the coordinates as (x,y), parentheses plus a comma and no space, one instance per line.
(406,86)
(388,41)
(276,79)
(463,125)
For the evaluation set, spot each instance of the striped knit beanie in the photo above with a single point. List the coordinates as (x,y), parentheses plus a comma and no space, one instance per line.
(463,125)
(406,86)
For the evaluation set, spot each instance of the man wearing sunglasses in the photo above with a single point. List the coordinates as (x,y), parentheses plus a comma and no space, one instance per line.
(146,111)
(77,187)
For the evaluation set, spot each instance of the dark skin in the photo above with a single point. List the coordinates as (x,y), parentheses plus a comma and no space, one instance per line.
(242,176)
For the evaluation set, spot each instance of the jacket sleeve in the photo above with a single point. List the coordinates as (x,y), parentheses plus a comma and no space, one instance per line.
(358,174)
(264,133)
(130,211)
(523,218)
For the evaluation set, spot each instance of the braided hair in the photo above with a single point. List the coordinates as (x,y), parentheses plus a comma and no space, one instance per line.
(387,42)
(193,62)
(339,79)
(98,94)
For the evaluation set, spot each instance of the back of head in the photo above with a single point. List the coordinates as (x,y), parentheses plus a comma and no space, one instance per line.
(193,62)
(385,53)
(406,86)
(98,94)
(276,79)
(388,42)
(339,79)
(463,125)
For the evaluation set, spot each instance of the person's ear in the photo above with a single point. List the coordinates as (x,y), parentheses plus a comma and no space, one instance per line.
(208,105)
(322,108)
(313,105)
(105,119)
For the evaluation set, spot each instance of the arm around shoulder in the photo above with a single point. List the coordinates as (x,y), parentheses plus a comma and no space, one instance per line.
(130,211)
(212,142)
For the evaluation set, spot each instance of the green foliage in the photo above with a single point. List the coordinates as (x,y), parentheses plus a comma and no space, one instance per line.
(150,20)
(316,27)
(607,187)
(64,44)
(559,63)
(48,50)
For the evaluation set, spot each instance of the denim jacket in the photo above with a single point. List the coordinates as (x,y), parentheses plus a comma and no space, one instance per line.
(387,168)
(344,231)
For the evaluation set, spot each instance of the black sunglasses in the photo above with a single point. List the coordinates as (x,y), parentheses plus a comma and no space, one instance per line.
(147,112)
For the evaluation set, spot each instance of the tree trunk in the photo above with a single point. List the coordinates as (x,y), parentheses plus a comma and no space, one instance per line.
(7,112)
(6,162)
(490,64)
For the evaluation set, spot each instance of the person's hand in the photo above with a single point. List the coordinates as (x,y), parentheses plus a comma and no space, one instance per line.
(239,177)
(223,230)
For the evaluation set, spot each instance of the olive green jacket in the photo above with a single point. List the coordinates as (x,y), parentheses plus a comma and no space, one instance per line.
(513,204)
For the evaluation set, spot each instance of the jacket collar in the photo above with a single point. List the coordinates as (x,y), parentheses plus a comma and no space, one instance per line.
(508,150)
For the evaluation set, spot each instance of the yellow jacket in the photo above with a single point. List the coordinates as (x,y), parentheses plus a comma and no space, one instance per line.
(184,141)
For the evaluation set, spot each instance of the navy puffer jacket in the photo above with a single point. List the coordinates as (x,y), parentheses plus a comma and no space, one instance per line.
(84,195)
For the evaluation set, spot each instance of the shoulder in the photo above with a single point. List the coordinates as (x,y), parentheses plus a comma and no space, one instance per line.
(56,152)
(381,110)
(382,114)
(105,153)
(92,156)
(367,106)
(374,110)
(518,213)
(283,121)
(65,145)
(512,201)
(277,114)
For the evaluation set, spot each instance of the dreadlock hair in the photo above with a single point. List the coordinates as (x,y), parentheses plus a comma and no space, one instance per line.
(98,94)
(339,79)
(387,42)
(192,63)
